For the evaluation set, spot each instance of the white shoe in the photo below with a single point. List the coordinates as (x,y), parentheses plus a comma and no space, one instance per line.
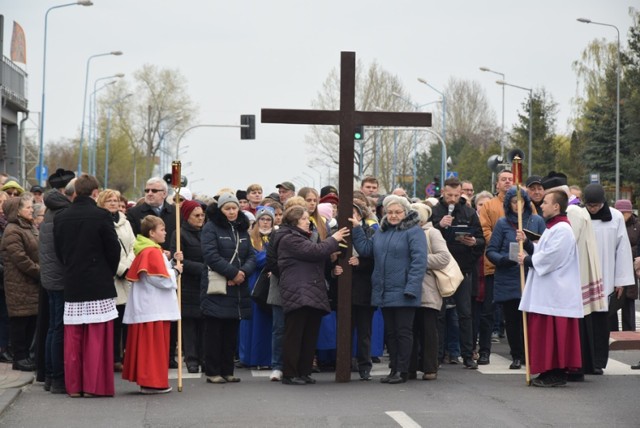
(276,376)
(149,391)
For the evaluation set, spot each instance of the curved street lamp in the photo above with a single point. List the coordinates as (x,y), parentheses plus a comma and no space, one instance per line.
(84,103)
(443,165)
(108,137)
(44,80)
(530,153)
(502,132)
(618,70)
(93,120)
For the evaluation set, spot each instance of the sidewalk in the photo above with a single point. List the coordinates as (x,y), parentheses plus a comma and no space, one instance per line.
(11,383)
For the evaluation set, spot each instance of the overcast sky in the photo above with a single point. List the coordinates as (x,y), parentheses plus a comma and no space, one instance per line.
(240,56)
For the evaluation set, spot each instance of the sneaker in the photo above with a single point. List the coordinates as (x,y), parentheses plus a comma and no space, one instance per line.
(495,337)
(469,363)
(455,360)
(231,379)
(365,375)
(276,376)
(430,376)
(397,378)
(25,365)
(150,391)
(216,379)
(483,360)
(635,366)
(308,379)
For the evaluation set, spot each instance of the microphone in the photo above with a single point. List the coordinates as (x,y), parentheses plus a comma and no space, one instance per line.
(451,208)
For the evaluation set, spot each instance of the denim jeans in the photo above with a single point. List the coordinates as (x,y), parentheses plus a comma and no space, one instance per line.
(277,336)
(462,298)
(54,345)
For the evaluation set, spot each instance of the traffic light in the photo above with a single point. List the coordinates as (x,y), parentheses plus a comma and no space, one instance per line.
(358,134)
(248,132)
(436,185)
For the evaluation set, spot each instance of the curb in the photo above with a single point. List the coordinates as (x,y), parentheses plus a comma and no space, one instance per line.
(7,397)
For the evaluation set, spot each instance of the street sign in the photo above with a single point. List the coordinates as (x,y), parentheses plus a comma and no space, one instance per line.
(431,189)
(594,177)
(452,174)
(41,176)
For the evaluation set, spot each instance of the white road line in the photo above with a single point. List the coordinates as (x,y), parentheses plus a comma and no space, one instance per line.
(403,419)
(500,365)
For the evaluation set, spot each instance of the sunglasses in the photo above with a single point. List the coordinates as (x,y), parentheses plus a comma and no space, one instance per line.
(13,192)
(153,190)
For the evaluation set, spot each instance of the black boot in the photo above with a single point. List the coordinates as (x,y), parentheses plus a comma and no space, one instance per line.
(398,378)
(57,386)
(389,376)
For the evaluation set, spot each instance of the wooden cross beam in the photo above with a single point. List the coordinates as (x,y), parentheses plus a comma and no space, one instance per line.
(347,118)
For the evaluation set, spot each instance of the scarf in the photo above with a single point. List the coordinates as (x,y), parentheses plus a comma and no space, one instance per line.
(149,259)
(604,214)
(557,219)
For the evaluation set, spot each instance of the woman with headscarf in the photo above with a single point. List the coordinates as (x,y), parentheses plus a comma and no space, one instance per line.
(507,286)
(226,250)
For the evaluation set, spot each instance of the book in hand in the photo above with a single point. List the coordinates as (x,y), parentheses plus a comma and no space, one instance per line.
(459,231)
(531,236)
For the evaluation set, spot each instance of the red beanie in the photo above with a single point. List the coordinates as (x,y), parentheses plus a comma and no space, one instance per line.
(186,207)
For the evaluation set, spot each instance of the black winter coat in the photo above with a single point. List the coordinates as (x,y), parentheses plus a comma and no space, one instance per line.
(192,267)
(462,214)
(361,275)
(87,245)
(51,270)
(301,263)
(167,214)
(219,237)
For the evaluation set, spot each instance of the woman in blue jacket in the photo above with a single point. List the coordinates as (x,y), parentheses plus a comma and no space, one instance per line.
(399,250)
(225,232)
(507,287)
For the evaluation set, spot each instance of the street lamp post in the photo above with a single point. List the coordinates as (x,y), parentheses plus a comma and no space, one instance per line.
(108,137)
(443,165)
(93,119)
(84,103)
(618,71)
(313,180)
(44,73)
(319,174)
(417,108)
(530,153)
(502,132)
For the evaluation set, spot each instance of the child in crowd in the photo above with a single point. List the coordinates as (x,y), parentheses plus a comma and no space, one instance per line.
(152,305)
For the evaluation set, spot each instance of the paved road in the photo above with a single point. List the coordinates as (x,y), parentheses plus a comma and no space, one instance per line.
(459,398)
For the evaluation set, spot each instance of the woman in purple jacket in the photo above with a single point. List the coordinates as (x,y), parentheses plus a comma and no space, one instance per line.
(304,292)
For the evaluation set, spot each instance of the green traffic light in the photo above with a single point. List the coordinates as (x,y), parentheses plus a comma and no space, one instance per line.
(357,136)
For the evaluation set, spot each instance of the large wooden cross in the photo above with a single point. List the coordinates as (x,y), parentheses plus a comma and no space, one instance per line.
(347,118)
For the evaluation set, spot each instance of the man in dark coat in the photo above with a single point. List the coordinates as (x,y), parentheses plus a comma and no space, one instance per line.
(51,277)
(452,210)
(87,245)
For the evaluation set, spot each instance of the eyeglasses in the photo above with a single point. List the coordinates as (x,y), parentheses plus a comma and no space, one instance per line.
(264,218)
(153,190)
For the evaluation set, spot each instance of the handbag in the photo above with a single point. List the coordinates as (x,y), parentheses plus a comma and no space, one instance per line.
(217,284)
(449,278)
(260,292)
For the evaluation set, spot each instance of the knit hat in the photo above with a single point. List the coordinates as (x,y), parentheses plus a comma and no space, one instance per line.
(624,205)
(330,198)
(187,207)
(60,178)
(394,199)
(593,194)
(12,185)
(226,198)
(325,209)
(241,194)
(328,189)
(249,216)
(266,211)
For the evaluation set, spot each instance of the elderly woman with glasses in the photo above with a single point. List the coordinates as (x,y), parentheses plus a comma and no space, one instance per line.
(399,251)
(110,200)
(191,222)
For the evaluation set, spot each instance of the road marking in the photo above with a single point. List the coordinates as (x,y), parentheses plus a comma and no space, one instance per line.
(403,419)
(500,365)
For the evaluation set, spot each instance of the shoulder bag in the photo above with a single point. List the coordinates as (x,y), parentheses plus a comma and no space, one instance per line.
(449,278)
(260,291)
(217,282)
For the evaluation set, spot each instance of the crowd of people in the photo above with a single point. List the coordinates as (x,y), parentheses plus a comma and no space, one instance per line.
(90,280)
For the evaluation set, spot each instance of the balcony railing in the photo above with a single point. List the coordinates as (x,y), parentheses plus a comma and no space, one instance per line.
(14,84)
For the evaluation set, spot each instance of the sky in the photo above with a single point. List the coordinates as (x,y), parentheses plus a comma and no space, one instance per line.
(240,56)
